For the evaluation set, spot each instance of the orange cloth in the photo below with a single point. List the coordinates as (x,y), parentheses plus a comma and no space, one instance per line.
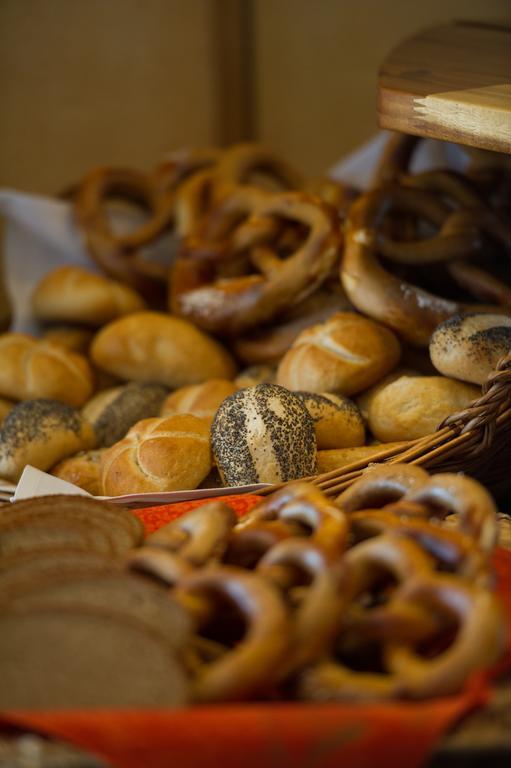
(394,735)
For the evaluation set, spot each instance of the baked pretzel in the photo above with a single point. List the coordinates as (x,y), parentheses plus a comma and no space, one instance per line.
(198,536)
(163,566)
(202,290)
(252,665)
(242,162)
(318,608)
(180,165)
(118,254)
(300,503)
(411,311)
(479,639)
(381,485)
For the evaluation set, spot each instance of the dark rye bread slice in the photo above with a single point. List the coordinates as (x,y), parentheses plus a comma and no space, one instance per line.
(122,529)
(121,594)
(45,532)
(73,658)
(42,567)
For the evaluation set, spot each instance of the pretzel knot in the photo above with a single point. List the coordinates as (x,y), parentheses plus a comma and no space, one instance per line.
(258,254)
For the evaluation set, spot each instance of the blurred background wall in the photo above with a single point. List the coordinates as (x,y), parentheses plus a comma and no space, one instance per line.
(86,82)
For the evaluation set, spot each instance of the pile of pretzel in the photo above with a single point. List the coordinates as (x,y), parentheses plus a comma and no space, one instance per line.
(372,597)
(258,246)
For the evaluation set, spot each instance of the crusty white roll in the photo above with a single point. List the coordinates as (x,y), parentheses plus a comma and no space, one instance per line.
(31,368)
(156,347)
(113,411)
(202,400)
(337,458)
(162,454)
(414,406)
(337,420)
(365,398)
(71,337)
(346,354)
(5,407)
(41,433)
(263,434)
(468,347)
(255,374)
(83,469)
(71,294)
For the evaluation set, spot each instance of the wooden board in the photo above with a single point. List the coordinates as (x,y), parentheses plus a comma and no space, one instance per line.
(452,83)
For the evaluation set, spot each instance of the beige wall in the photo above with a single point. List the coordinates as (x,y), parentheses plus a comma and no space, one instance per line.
(317,62)
(84,82)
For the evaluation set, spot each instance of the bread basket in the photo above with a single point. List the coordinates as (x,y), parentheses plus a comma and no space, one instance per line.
(472,441)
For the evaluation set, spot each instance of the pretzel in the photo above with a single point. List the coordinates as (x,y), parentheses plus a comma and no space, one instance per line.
(409,310)
(198,536)
(479,639)
(451,493)
(248,544)
(242,161)
(119,254)
(318,612)
(381,485)
(451,549)
(180,165)
(303,504)
(253,664)
(163,566)
(269,284)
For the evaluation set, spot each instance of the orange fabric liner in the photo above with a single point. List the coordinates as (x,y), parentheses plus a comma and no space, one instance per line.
(394,735)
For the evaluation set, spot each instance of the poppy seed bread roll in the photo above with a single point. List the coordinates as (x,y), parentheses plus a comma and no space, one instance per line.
(468,347)
(263,434)
(172,453)
(41,433)
(113,411)
(160,348)
(337,420)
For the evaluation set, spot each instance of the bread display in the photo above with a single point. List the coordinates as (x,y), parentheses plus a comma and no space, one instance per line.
(113,411)
(414,406)
(263,434)
(344,355)
(159,348)
(255,374)
(338,422)
(336,458)
(74,295)
(32,368)
(202,400)
(41,433)
(160,454)
(71,337)
(468,347)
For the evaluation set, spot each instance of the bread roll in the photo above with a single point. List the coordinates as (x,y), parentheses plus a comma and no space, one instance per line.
(31,368)
(338,422)
(83,470)
(365,398)
(412,407)
(73,295)
(113,411)
(346,354)
(255,374)
(263,434)
(72,338)
(155,347)
(5,407)
(343,457)
(202,400)
(468,347)
(163,454)
(41,433)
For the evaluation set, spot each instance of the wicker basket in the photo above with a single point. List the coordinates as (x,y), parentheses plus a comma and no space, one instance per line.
(473,441)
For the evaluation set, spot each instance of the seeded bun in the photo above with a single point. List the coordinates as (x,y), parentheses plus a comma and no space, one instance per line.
(113,411)
(468,347)
(263,434)
(338,422)
(41,433)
